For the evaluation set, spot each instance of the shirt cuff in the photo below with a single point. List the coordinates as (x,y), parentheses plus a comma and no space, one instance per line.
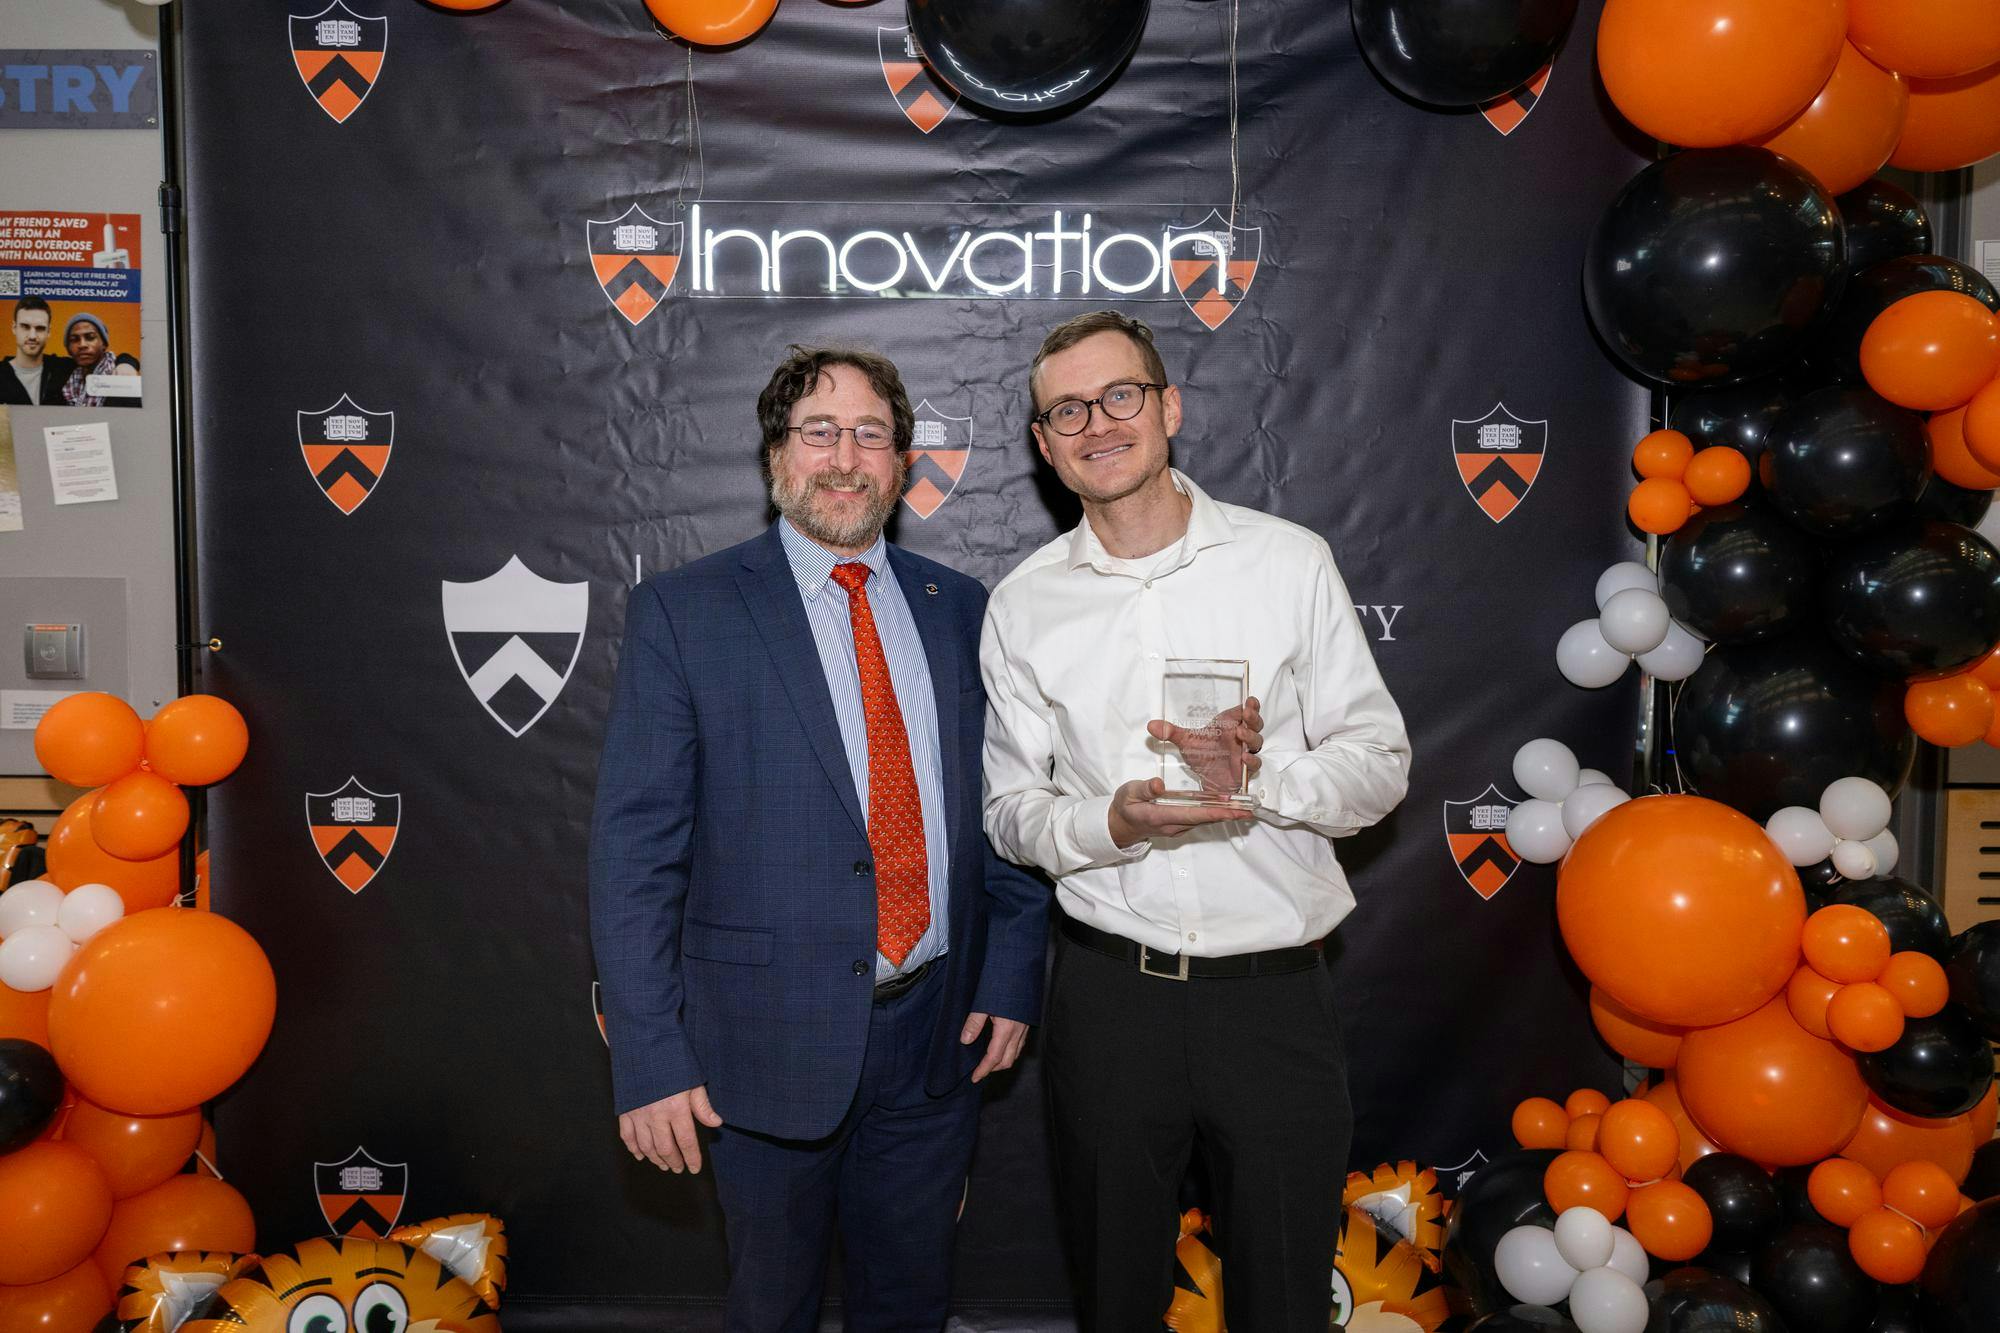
(1282,802)
(1090,831)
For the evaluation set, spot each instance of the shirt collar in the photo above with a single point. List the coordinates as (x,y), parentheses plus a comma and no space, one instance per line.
(812,564)
(1207,526)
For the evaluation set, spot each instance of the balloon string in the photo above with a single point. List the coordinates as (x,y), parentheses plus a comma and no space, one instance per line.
(695,163)
(1235,181)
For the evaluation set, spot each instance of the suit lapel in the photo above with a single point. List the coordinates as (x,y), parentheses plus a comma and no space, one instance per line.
(933,618)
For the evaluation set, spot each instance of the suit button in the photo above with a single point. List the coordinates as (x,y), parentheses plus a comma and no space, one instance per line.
(860,967)
(862,867)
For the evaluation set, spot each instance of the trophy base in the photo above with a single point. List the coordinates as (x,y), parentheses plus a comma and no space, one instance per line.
(1233,800)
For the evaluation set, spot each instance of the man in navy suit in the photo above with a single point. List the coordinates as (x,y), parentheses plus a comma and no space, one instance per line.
(801,931)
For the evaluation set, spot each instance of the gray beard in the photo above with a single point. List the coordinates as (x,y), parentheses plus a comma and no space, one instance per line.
(796,502)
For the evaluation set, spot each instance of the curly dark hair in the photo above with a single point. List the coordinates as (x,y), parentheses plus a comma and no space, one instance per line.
(798,375)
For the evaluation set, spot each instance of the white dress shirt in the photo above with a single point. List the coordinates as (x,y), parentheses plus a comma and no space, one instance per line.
(1073,654)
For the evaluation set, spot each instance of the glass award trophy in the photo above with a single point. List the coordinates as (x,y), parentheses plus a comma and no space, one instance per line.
(1204,697)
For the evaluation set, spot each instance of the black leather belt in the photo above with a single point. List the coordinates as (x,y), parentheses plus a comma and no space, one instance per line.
(1180,966)
(902,981)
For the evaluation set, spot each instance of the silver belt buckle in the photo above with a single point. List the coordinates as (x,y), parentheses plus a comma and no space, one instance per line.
(1145,954)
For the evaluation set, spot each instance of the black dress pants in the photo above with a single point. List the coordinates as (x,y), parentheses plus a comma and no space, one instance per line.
(1139,1070)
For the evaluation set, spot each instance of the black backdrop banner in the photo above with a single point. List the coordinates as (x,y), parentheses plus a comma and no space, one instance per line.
(479,321)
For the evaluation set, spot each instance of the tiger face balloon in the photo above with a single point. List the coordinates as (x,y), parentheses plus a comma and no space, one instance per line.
(345,1285)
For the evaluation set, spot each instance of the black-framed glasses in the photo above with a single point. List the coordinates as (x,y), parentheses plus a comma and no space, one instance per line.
(824,435)
(1119,402)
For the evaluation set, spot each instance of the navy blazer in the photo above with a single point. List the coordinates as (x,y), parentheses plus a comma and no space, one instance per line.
(732,892)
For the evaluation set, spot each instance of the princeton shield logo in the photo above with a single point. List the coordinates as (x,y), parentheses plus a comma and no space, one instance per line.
(1214,272)
(353,829)
(1451,1179)
(1476,832)
(1499,456)
(1505,114)
(346,447)
(635,257)
(361,1196)
(516,636)
(339,56)
(924,100)
(938,452)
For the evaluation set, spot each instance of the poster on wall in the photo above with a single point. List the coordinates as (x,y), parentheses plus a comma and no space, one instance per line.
(10,476)
(70,284)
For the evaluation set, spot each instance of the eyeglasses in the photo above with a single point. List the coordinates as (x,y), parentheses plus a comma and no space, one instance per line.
(824,435)
(1119,402)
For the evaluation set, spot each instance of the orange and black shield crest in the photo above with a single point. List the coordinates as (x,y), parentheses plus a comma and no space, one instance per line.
(1498,456)
(346,447)
(924,99)
(1476,832)
(1505,114)
(353,830)
(360,1196)
(1213,264)
(339,56)
(938,452)
(635,257)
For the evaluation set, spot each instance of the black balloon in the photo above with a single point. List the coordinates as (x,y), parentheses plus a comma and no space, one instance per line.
(1915,918)
(1872,290)
(31,1091)
(1883,221)
(1940,1066)
(1983,1180)
(1026,56)
(1808,1274)
(1973,967)
(1793,1200)
(1504,1194)
(1820,881)
(1737,573)
(1895,1310)
(1732,1264)
(1694,1300)
(1460,52)
(1742,1201)
(1959,1291)
(1737,415)
(1765,725)
(1954,504)
(1842,460)
(1523,1319)
(1915,600)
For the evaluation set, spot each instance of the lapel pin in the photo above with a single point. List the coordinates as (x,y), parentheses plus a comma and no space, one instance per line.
(931,588)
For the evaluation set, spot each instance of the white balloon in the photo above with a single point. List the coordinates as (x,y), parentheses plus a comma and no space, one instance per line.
(1531,1268)
(1585,659)
(1854,860)
(1546,769)
(1585,806)
(32,957)
(1886,851)
(1604,1300)
(1628,1256)
(1635,621)
(34,903)
(1801,835)
(1678,656)
(1535,832)
(1625,574)
(1591,777)
(1854,808)
(87,909)
(1583,1237)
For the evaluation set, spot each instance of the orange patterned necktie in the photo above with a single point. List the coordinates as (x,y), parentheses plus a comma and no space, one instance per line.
(895,812)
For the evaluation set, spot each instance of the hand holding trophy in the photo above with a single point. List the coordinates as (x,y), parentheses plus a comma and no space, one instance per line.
(1213,729)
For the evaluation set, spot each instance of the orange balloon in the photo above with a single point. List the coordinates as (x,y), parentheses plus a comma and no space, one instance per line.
(1864,1016)
(1980,426)
(1540,1123)
(87,740)
(1843,1191)
(161,1010)
(1639,1140)
(1954,711)
(1654,1045)
(54,1205)
(1950,457)
(73,1302)
(1585,1180)
(75,858)
(1887,1137)
(196,740)
(1849,130)
(1670,1220)
(140,817)
(1659,505)
(1926,39)
(1582,1134)
(713,22)
(1844,943)
(1807,996)
(1982,1117)
(1765,1088)
(1664,455)
(1923,1192)
(1586,1101)
(135,1152)
(1705,73)
(1887,1246)
(24,1014)
(1717,475)
(183,1213)
(1681,910)
(1695,1145)
(1917,981)
(1951,123)
(1932,351)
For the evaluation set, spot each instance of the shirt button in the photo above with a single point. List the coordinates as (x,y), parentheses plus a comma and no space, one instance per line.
(1190,937)
(860,967)
(861,867)
(1147,584)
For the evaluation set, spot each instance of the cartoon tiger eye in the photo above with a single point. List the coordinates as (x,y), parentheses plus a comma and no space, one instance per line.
(380,1308)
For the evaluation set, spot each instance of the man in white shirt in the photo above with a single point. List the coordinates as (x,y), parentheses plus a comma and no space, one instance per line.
(1191,1001)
